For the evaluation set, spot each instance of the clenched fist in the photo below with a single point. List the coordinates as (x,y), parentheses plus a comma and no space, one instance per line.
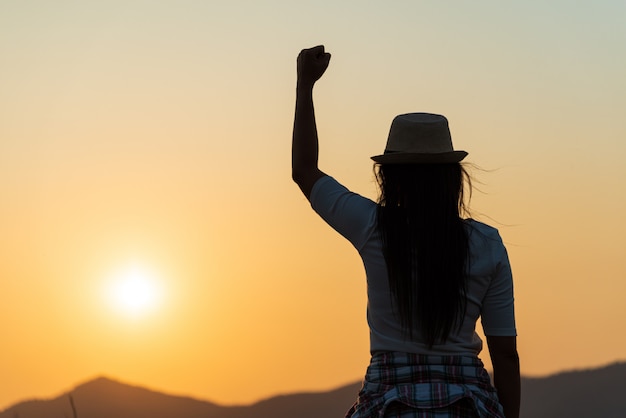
(312,64)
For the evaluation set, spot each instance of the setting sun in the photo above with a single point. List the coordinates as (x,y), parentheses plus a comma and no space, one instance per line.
(134,291)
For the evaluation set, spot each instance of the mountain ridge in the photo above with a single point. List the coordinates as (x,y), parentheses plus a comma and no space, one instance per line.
(575,393)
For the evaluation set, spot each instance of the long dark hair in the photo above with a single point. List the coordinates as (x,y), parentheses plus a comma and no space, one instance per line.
(425,245)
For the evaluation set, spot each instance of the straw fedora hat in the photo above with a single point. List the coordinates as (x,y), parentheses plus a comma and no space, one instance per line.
(419,138)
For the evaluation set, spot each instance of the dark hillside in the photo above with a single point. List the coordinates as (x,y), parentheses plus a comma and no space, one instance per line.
(585,393)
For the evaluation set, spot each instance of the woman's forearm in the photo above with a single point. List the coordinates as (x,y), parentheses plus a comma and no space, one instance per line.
(312,63)
(304,146)
(506,379)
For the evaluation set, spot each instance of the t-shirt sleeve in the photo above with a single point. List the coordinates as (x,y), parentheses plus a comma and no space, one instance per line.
(349,213)
(498,313)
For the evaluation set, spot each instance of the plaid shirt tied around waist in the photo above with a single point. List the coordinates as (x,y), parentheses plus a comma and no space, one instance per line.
(425,384)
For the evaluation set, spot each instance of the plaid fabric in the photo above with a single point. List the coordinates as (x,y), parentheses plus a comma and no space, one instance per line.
(403,385)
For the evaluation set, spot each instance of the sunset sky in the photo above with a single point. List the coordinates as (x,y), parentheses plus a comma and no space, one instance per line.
(146,145)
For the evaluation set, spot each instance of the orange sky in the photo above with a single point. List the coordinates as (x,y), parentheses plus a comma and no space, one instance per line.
(157,134)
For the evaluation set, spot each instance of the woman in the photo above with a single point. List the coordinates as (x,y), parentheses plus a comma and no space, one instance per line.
(430,273)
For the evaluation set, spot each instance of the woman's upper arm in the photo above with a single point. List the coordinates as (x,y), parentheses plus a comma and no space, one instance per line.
(349,213)
(502,346)
(498,307)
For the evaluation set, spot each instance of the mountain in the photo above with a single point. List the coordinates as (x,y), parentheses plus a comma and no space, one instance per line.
(107,398)
(583,393)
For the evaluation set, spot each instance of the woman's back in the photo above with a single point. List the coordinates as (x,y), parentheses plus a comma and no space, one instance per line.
(489,282)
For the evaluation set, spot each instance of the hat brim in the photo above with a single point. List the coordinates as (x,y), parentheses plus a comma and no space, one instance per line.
(420,158)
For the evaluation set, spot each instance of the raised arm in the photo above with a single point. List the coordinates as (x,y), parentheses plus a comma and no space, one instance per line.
(506,373)
(312,64)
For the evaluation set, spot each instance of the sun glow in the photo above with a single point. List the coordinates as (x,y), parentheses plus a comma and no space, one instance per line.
(135,291)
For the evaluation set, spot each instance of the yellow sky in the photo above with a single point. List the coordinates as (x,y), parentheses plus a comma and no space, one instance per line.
(157,134)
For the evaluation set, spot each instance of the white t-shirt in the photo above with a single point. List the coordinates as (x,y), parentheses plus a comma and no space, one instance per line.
(489,287)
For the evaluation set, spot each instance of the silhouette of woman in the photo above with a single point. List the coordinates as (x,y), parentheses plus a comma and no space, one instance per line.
(430,273)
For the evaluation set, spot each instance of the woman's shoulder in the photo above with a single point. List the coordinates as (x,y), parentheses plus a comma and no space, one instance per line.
(485,243)
(477,229)
(328,188)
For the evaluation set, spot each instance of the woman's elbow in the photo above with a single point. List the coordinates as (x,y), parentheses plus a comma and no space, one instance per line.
(305,179)
(300,177)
